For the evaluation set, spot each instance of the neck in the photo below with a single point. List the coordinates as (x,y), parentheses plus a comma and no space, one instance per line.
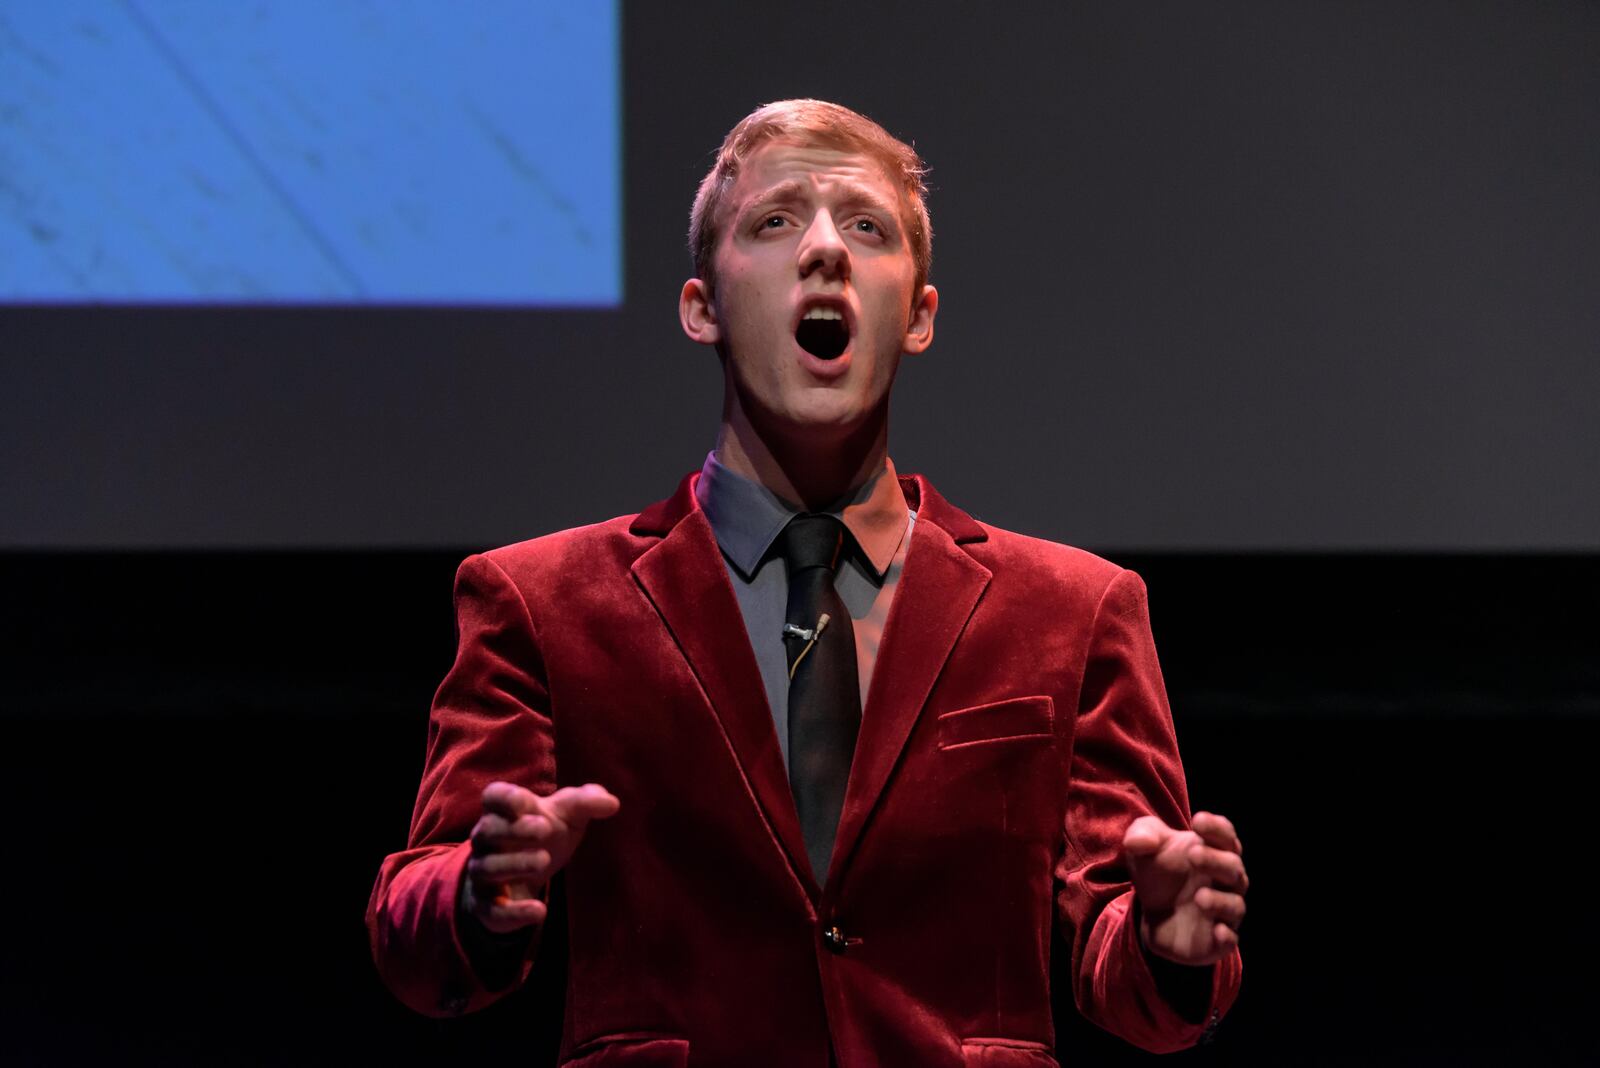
(813,473)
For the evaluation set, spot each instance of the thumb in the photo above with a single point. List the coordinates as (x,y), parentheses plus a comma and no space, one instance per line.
(577,805)
(1145,836)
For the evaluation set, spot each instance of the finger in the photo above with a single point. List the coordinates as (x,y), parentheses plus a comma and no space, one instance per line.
(577,805)
(1220,905)
(495,834)
(1224,868)
(490,833)
(503,915)
(1226,937)
(498,868)
(1145,835)
(509,800)
(532,828)
(526,832)
(1218,831)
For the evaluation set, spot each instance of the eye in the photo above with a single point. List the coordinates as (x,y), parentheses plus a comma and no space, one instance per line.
(771,222)
(868,226)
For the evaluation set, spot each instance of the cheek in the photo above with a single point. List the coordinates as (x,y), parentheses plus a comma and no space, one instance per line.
(889,328)
(891,310)
(749,310)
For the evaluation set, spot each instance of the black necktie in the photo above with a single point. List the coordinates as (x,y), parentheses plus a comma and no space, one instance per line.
(824,693)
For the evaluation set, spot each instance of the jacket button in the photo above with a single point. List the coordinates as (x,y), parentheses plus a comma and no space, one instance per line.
(834,939)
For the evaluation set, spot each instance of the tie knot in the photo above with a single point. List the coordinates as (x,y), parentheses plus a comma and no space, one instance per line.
(812,541)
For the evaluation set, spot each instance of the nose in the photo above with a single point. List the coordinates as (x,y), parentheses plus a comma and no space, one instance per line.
(823,251)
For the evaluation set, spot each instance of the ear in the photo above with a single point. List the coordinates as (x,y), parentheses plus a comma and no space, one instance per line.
(697,314)
(919,331)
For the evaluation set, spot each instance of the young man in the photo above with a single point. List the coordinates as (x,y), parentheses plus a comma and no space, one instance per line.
(857,766)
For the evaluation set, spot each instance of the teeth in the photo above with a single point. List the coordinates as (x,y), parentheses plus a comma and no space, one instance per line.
(823,313)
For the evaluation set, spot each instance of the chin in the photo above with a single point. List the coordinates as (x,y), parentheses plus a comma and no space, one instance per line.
(826,422)
(808,414)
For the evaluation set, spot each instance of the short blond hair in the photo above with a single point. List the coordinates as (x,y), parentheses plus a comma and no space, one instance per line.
(815,122)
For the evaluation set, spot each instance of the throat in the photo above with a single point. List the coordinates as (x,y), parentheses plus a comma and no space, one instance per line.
(809,469)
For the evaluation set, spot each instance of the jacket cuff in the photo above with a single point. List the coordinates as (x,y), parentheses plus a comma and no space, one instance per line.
(490,964)
(1201,1000)
(498,961)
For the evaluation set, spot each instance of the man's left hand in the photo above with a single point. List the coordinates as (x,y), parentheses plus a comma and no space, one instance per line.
(1190,886)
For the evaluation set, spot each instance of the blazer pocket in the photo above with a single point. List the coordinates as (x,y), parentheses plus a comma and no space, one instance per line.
(1006,1053)
(632,1050)
(1013,719)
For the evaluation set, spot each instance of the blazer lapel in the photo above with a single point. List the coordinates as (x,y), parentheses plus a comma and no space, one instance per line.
(938,590)
(686,580)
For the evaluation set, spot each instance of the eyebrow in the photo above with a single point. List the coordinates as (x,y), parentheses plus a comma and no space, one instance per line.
(792,190)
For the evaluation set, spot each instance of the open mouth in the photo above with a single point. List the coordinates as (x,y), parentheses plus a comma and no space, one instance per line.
(823,333)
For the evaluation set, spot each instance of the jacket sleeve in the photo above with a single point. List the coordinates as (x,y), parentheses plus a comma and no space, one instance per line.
(1125,765)
(490,721)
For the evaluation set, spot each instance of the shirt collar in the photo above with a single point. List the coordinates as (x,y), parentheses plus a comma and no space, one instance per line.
(746,516)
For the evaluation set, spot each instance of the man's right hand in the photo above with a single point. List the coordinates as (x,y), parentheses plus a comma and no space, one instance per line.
(519,842)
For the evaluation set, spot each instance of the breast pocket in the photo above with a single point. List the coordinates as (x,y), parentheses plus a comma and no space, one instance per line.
(1014,720)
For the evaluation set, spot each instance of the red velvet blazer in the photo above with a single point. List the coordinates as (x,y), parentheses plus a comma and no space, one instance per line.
(1016,724)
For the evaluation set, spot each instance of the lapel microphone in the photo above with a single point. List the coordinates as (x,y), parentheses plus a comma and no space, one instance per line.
(810,637)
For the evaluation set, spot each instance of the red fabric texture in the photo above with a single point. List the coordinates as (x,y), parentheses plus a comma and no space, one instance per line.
(1016,724)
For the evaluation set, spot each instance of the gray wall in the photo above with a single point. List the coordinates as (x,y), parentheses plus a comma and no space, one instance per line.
(1222,276)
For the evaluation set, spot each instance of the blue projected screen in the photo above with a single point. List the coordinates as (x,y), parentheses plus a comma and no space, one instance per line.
(310,151)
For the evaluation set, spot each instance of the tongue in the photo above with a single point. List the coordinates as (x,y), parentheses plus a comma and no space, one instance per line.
(825,339)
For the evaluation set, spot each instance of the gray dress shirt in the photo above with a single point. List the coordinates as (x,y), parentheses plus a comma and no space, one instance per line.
(747,518)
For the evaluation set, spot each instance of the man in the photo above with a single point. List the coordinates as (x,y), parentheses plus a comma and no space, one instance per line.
(855,765)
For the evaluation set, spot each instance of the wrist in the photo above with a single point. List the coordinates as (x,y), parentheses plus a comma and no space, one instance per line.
(1187,988)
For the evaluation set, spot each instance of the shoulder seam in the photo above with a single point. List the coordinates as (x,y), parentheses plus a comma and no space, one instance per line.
(527,614)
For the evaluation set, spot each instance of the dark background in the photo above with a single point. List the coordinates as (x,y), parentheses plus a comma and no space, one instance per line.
(1237,294)
(208,755)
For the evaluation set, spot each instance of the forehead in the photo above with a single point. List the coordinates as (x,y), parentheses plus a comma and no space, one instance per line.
(815,170)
